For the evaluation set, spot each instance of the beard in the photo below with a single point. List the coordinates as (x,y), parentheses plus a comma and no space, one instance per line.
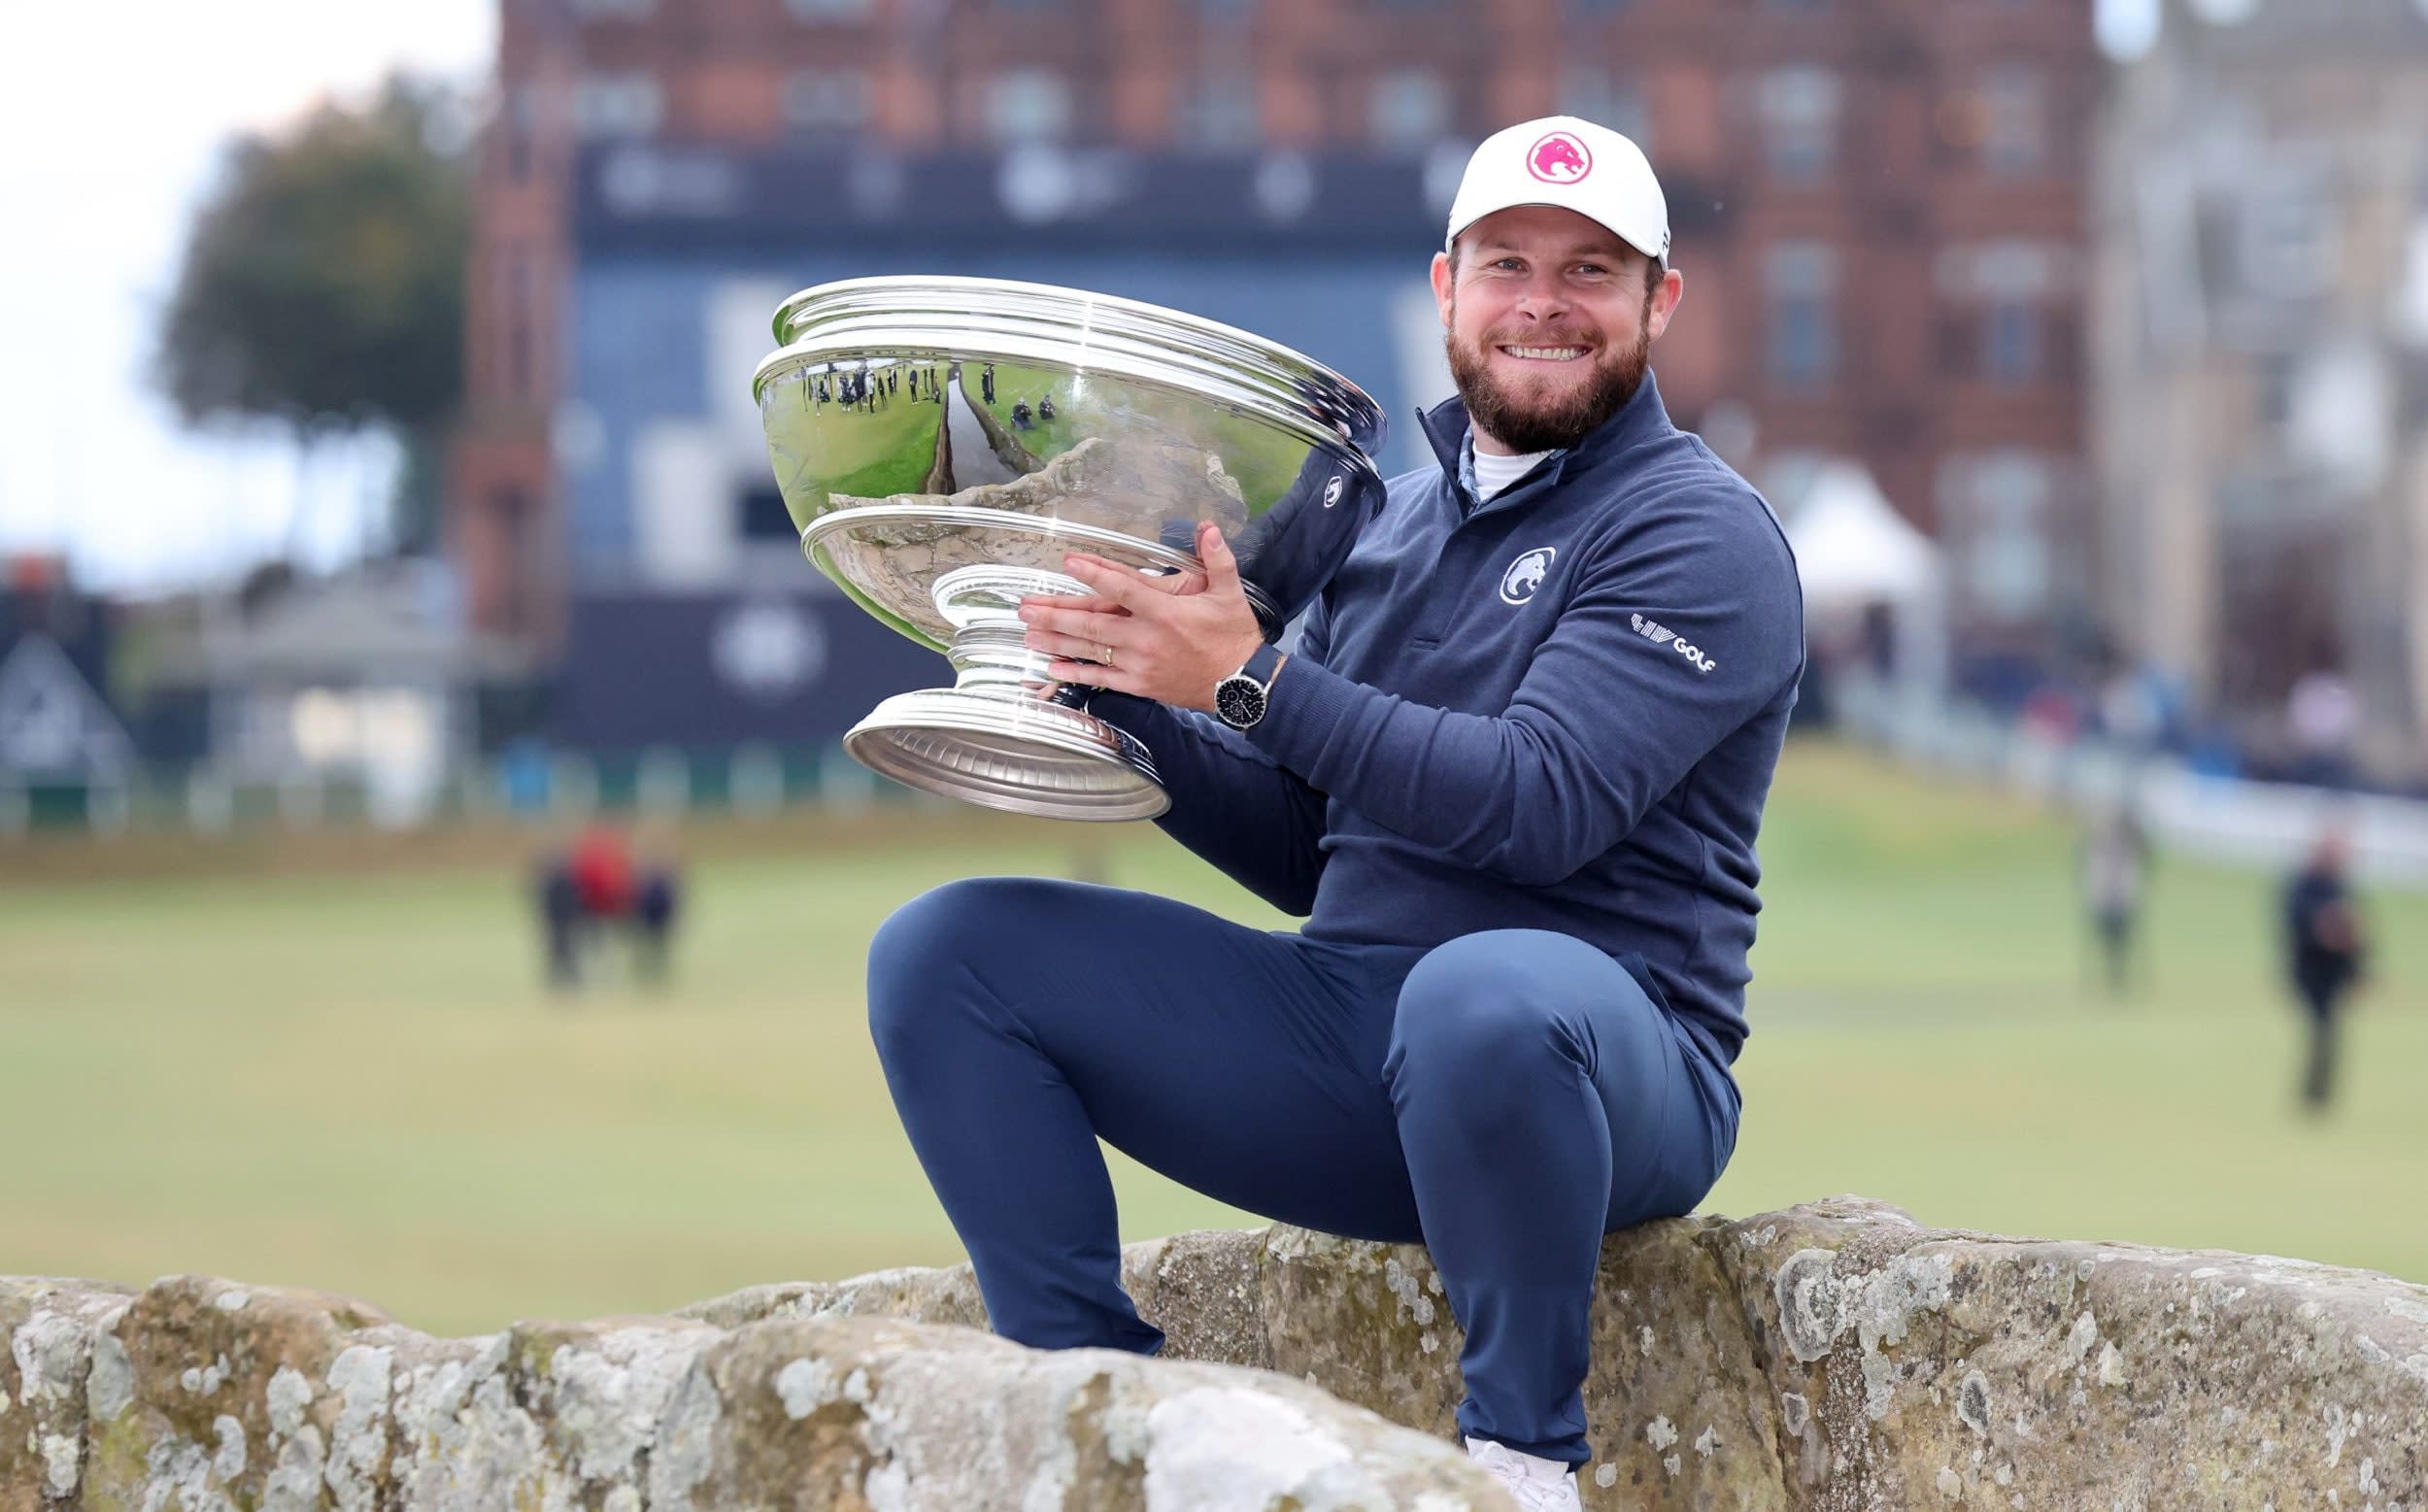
(1522,418)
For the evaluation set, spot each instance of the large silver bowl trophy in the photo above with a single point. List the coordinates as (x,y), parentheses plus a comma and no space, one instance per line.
(943,443)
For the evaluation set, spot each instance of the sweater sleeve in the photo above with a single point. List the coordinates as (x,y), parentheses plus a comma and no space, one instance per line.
(1672,635)
(1257,822)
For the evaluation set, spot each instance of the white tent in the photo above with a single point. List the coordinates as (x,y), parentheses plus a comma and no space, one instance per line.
(1852,548)
(1854,551)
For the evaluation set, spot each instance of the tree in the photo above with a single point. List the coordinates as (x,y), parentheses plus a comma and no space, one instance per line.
(322,286)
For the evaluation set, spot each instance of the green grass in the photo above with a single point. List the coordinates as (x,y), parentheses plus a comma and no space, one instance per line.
(354,1083)
(867,454)
(1014,384)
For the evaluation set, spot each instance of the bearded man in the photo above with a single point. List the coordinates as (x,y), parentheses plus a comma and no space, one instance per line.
(1512,773)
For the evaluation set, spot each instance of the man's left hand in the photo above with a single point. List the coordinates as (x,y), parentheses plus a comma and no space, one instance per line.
(1166,638)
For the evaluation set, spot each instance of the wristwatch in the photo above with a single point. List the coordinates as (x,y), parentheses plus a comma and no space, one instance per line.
(1239,699)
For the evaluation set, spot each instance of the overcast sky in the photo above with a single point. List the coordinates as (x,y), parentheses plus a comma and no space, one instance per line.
(112,118)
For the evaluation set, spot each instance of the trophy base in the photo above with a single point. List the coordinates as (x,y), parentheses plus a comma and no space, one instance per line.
(1015,752)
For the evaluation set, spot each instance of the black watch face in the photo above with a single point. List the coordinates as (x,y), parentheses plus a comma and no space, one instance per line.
(1239,701)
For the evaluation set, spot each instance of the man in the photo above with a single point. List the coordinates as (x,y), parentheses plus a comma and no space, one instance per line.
(597,883)
(2115,862)
(1513,771)
(2324,950)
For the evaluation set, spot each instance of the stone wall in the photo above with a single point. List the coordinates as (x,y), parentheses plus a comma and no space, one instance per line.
(1833,1356)
(1840,1355)
(199,1394)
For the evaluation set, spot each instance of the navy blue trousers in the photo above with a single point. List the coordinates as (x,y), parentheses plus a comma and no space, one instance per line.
(1506,1098)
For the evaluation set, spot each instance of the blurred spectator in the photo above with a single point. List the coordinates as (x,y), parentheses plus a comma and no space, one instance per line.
(2322,713)
(2130,712)
(1877,638)
(2115,868)
(2325,946)
(2053,715)
(596,885)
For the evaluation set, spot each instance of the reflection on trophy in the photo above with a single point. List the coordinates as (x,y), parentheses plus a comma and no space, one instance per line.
(944,443)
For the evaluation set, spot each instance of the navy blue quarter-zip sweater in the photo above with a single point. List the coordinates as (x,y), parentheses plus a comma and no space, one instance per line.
(1558,709)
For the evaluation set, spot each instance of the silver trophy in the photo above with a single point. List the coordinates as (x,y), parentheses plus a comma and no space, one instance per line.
(943,443)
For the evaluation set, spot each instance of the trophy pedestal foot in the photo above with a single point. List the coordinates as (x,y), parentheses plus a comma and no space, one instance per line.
(993,739)
(1019,753)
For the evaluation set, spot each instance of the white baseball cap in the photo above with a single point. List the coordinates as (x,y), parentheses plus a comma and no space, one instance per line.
(1570,163)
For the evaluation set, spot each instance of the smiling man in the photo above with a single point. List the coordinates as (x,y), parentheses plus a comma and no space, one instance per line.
(1512,773)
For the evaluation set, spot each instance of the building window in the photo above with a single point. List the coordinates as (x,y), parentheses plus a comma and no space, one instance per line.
(1994,510)
(1800,283)
(1798,108)
(2014,120)
(826,101)
(618,105)
(2014,349)
(1029,105)
(2287,240)
(829,10)
(1221,112)
(1959,343)
(2001,315)
(763,516)
(1599,95)
(1408,108)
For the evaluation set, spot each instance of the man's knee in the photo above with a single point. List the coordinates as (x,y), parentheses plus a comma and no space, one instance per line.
(943,931)
(1476,1005)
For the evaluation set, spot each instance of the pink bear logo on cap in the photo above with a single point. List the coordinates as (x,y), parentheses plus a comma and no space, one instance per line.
(1559,158)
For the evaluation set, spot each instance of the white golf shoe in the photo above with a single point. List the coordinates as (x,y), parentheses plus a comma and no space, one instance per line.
(1536,1484)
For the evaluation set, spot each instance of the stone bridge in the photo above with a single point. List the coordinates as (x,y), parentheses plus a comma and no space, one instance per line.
(1834,1356)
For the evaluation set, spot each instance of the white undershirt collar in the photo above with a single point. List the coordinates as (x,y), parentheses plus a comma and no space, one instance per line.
(1490,474)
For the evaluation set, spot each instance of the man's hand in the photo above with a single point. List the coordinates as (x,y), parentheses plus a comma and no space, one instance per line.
(1166,638)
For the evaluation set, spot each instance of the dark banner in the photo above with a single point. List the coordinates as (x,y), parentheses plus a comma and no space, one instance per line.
(721,669)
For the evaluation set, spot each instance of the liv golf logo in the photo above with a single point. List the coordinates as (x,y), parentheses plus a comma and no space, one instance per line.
(1662,635)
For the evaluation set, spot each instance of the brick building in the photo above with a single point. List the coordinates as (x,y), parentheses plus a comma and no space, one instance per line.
(1879,207)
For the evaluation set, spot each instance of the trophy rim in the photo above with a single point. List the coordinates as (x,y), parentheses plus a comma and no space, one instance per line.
(1009,320)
